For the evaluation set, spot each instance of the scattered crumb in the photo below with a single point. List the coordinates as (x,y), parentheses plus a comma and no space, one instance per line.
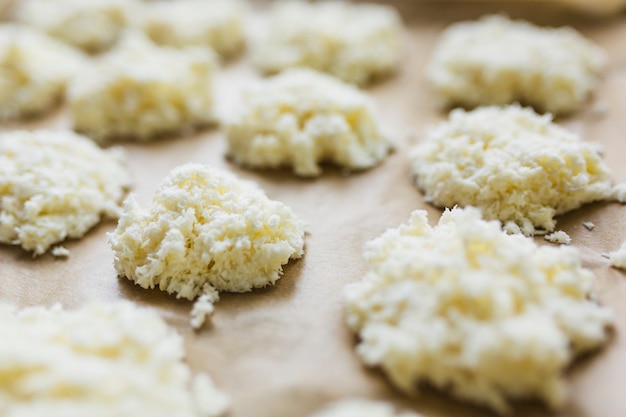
(60,252)
(558,237)
(589,225)
(203,307)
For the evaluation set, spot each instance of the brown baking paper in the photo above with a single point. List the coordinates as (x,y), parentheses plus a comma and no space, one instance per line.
(285,351)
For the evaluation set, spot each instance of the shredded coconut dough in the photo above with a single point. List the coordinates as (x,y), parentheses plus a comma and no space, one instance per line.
(92,25)
(218,24)
(34,71)
(56,185)
(355,42)
(301,118)
(102,360)
(140,91)
(519,167)
(558,237)
(490,317)
(205,231)
(357,407)
(498,61)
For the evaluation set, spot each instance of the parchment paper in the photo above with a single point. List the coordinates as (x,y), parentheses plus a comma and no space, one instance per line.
(284,351)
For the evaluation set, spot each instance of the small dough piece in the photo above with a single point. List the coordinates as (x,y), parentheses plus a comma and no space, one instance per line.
(357,407)
(140,91)
(617,259)
(205,231)
(517,166)
(302,118)
(558,237)
(102,360)
(34,71)
(497,61)
(218,24)
(355,42)
(92,25)
(467,308)
(56,185)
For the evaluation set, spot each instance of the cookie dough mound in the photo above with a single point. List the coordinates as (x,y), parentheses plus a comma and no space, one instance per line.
(92,25)
(496,61)
(463,306)
(102,360)
(356,43)
(517,166)
(140,91)
(205,231)
(302,118)
(34,71)
(218,24)
(56,185)
(361,408)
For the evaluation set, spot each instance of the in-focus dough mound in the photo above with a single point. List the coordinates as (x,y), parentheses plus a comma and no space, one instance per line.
(463,306)
(301,118)
(56,185)
(102,360)
(139,91)
(34,70)
(517,166)
(218,24)
(206,231)
(92,25)
(498,61)
(355,42)
(356,407)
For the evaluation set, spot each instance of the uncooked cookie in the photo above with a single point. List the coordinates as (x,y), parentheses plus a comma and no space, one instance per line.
(102,360)
(496,61)
(356,407)
(92,25)
(302,118)
(355,42)
(56,185)
(34,71)
(463,306)
(205,231)
(140,91)
(517,166)
(219,24)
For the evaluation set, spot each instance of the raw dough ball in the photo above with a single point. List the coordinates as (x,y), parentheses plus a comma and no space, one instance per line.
(56,185)
(218,24)
(34,70)
(301,118)
(463,306)
(519,167)
(206,231)
(498,61)
(356,43)
(92,25)
(360,408)
(102,360)
(139,91)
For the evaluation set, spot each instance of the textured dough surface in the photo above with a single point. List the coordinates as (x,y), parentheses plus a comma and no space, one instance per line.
(355,42)
(301,118)
(206,231)
(357,407)
(219,24)
(497,61)
(56,185)
(92,25)
(463,306)
(34,71)
(102,360)
(517,166)
(140,91)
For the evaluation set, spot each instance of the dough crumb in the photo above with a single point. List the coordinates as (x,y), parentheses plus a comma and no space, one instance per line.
(463,306)
(589,225)
(302,118)
(354,42)
(498,61)
(205,231)
(60,252)
(203,307)
(517,166)
(558,237)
